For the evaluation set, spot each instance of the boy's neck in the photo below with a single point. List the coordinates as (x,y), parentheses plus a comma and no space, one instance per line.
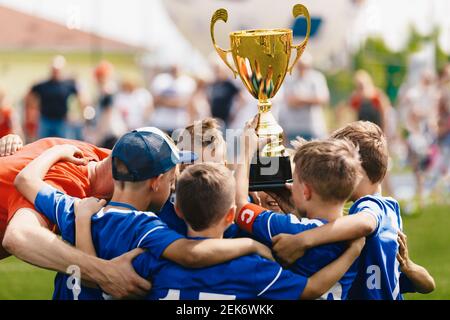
(328,211)
(100,178)
(212,233)
(139,202)
(366,188)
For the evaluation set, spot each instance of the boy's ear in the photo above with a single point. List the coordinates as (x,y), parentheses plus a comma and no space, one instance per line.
(155,183)
(178,211)
(229,218)
(307,192)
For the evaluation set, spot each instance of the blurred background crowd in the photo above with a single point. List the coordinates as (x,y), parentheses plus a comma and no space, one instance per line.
(62,77)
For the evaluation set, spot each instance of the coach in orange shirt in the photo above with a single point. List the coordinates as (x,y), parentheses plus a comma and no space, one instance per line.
(26,234)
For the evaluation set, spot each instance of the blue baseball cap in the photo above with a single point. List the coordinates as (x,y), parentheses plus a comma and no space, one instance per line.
(147,153)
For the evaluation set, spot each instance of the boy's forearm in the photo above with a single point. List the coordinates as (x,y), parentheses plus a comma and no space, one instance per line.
(241,176)
(205,253)
(343,229)
(324,279)
(423,282)
(84,237)
(30,180)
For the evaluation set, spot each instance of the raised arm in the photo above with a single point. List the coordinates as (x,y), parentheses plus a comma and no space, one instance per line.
(323,280)
(289,248)
(31,179)
(421,279)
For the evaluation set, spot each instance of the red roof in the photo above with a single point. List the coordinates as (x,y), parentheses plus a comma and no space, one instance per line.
(20,30)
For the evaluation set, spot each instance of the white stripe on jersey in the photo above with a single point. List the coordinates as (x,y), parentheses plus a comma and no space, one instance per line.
(148,232)
(273,281)
(268,226)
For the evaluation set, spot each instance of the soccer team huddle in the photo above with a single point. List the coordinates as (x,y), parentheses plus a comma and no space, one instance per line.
(160,220)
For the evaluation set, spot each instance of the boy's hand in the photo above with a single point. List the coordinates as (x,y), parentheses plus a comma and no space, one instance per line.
(403,255)
(253,143)
(10,144)
(288,248)
(70,153)
(263,251)
(121,280)
(283,196)
(86,208)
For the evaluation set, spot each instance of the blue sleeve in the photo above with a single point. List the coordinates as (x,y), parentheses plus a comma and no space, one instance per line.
(269,224)
(169,216)
(59,209)
(275,283)
(144,264)
(406,285)
(154,235)
(370,206)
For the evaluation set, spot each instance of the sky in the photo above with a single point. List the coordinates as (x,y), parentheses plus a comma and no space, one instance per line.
(146,22)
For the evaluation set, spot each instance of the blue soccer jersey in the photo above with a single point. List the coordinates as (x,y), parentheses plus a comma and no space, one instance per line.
(114,233)
(379,276)
(264,224)
(248,277)
(169,216)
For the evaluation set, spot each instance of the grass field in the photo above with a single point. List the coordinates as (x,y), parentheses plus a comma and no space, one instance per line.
(428,237)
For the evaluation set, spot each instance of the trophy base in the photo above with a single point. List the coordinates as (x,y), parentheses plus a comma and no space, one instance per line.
(264,177)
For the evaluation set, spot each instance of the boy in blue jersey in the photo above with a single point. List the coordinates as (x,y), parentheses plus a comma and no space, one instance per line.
(205,200)
(144,162)
(325,175)
(205,139)
(380,274)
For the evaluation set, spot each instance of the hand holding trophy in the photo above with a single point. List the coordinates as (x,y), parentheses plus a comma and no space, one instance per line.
(262,59)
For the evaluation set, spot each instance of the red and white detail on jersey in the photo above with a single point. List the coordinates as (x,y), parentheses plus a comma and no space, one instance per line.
(247,215)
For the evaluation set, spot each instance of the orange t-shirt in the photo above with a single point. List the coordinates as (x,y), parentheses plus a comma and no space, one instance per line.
(65,176)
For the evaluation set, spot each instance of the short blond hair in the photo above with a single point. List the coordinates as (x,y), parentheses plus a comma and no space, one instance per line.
(205,193)
(332,168)
(372,147)
(204,133)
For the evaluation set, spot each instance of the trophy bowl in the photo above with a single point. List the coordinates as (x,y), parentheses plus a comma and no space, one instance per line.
(261,58)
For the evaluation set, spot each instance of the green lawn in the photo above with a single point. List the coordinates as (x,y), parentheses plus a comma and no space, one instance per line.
(428,237)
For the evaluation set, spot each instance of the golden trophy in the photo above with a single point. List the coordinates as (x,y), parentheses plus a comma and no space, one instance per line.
(262,60)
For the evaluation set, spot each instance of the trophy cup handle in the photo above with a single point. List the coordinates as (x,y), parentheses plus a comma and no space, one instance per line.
(300,10)
(221,14)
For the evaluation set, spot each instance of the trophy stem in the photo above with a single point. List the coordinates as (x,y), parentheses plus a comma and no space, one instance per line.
(268,127)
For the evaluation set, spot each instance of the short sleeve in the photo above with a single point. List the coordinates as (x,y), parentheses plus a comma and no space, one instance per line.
(58,208)
(406,285)
(36,89)
(264,224)
(275,283)
(143,264)
(369,206)
(154,235)
(169,216)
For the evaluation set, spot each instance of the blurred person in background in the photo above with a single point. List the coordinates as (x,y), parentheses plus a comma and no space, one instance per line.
(306,94)
(105,123)
(199,107)
(222,93)
(369,102)
(172,92)
(134,103)
(51,99)
(420,116)
(9,123)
